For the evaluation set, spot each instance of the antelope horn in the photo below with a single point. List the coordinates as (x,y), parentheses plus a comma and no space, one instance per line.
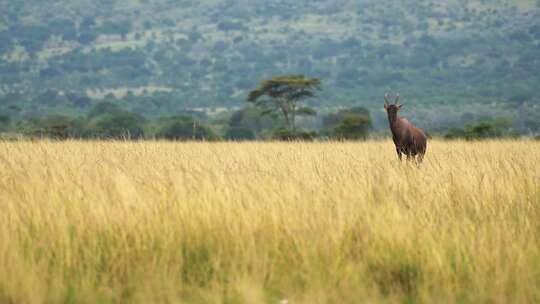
(397,98)
(386,98)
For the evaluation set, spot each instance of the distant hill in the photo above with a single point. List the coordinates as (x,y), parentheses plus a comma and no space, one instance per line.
(161,56)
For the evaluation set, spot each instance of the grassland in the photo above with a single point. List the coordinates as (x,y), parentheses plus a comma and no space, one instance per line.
(158,222)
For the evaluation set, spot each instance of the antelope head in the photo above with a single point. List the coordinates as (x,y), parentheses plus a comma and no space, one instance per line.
(392,108)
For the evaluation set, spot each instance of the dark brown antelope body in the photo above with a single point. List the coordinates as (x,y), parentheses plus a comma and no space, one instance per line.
(408,139)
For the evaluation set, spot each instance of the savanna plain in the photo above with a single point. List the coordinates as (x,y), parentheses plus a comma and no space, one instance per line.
(322,222)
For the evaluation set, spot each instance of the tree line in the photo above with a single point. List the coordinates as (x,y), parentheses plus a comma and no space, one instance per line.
(275,106)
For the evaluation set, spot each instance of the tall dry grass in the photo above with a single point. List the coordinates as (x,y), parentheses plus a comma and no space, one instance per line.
(158,222)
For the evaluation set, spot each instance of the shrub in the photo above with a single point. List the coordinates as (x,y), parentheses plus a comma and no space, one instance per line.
(455,133)
(288,135)
(51,126)
(239,133)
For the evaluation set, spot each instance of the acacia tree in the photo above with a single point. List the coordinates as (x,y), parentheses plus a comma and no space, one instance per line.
(283,94)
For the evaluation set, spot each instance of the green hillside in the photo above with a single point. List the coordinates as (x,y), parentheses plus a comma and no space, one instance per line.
(452,61)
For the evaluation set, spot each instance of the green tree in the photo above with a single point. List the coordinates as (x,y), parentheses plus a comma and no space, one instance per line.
(352,123)
(61,126)
(184,128)
(5,120)
(251,118)
(283,94)
(483,130)
(51,126)
(103,108)
(239,133)
(353,126)
(116,125)
(496,128)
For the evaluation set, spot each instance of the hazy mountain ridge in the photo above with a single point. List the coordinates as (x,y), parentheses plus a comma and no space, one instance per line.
(209,53)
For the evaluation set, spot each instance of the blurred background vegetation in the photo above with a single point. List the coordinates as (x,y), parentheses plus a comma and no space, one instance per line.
(181,69)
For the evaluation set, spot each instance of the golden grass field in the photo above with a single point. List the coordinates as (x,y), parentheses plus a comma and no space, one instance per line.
(163,222)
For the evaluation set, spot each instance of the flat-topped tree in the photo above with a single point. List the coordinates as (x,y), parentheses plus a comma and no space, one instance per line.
(283,95)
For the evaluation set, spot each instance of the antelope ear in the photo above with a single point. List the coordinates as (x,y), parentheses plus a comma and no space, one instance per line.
(385,106)
(399,106)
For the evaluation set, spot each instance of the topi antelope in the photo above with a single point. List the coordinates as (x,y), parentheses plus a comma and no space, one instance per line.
(408,139)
